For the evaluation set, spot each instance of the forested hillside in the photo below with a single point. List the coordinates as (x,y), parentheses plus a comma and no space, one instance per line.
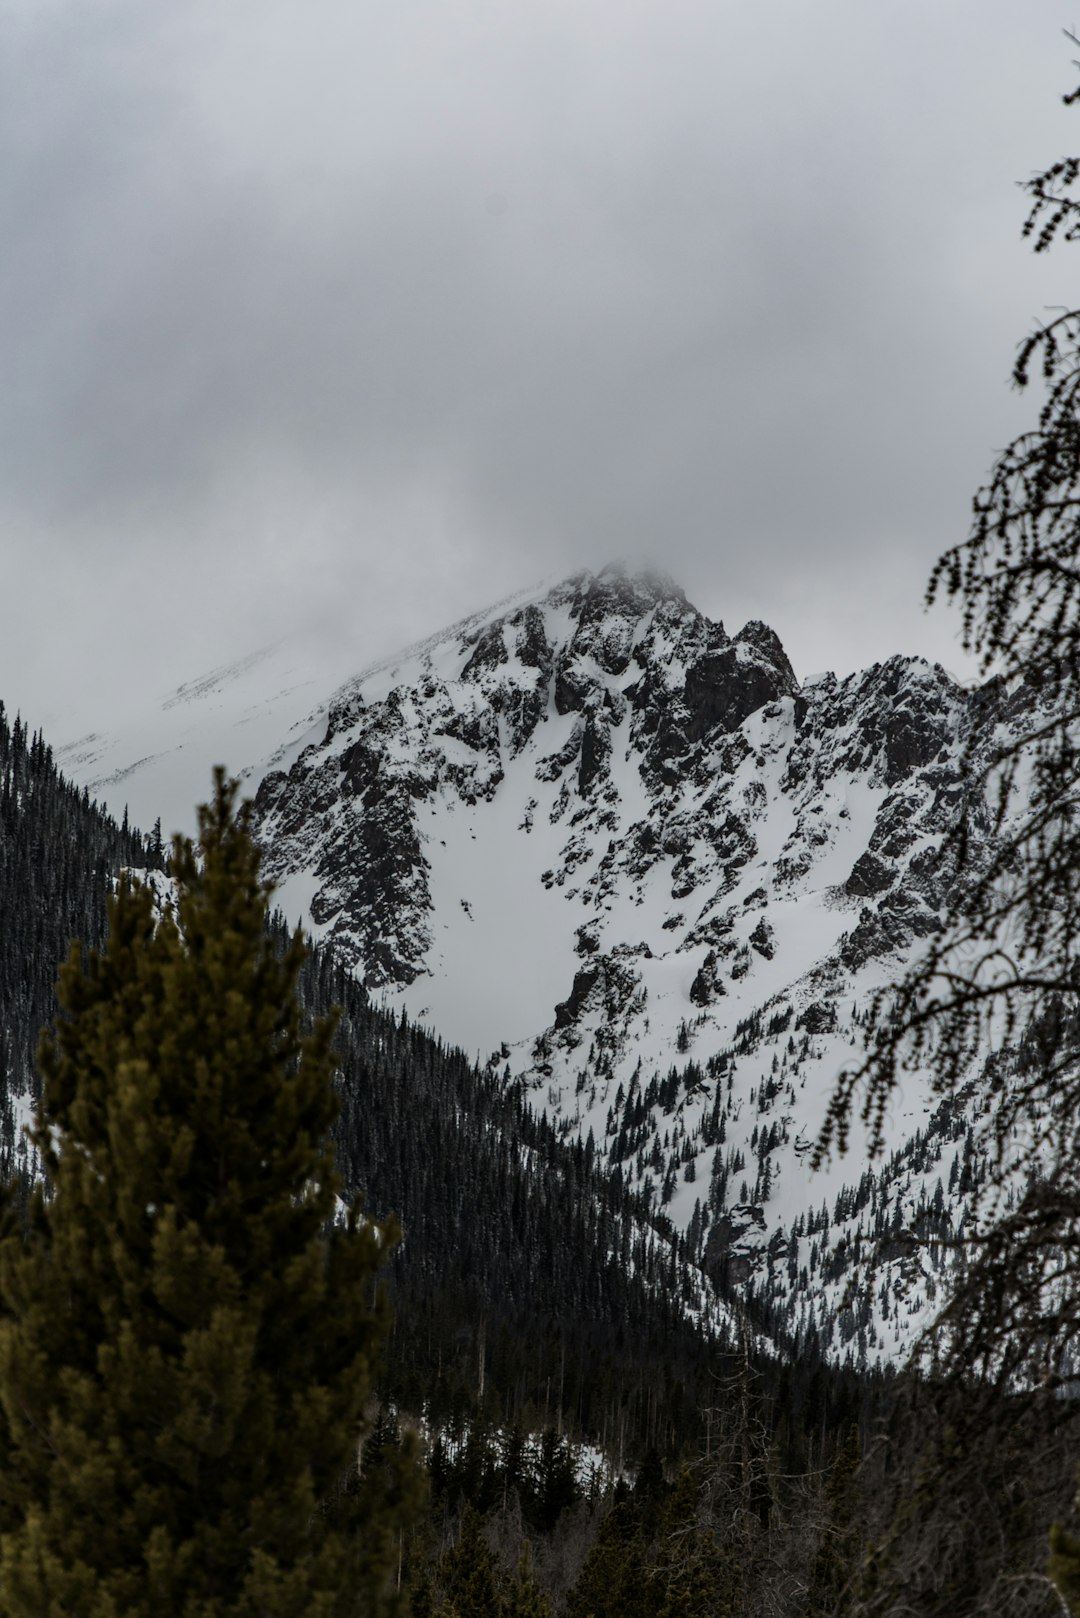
(59,855)
(582,1387)
(528,1284)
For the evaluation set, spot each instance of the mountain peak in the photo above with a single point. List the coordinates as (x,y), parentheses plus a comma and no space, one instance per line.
(591,831)
(633,584)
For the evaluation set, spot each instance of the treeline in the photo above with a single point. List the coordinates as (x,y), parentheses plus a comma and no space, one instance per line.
(59,855)
(937,1505)
(746,1526)
(602,1433)
(528,1286)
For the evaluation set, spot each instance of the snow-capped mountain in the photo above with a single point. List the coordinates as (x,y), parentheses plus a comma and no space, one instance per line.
(626,856)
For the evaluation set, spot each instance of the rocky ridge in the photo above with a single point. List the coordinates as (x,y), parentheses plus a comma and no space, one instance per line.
(627,857)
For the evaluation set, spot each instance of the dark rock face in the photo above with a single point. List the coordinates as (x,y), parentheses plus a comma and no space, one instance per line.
(568,1011)
(552,766)
(766,644)
(608,990)
(877,933)
(595,749)
(734,680)
(522,635)
(607,612)
(532,644)
(894,720)
(869,875)
(719,692)
(708,984)
(912,740)
(610,674)
(379,874)
(867,939)
(819,1018)
(489,652)
(730,1257)
(572,685)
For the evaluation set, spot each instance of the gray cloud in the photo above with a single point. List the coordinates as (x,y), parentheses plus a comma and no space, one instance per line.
(350,317)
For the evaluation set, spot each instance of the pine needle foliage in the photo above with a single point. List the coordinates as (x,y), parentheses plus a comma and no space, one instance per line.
(1002,977)
(188,1334)
(994,1003)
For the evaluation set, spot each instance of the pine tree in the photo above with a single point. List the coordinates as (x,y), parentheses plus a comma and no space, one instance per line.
(837,1557)
(611,1583)
(697,1589)
(422,1598)
(689,1575)
(522,1595)
(468,1574)
(188,1337)
(556,1483)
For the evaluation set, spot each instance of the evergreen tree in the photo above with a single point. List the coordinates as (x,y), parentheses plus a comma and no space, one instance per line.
(59,855)
(611,1583)
(522,1595)
(468,1575)
(556,1484)
(689,1577)
(422,1602)
(696,1590)
(838,1548)
(188,1337)
(999,978)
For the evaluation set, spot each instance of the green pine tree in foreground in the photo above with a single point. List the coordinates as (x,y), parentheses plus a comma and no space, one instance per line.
(187,1340)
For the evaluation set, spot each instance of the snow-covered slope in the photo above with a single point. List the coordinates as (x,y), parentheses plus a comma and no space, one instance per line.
(605,845)
(155,757)
(157,761)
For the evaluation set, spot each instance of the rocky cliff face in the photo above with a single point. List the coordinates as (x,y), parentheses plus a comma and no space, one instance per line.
(624,855)
(567,691)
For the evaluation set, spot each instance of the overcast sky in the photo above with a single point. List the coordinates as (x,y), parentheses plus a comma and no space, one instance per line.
(343,319)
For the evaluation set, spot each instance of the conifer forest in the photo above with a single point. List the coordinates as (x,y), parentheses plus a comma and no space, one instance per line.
(552,1424)
(586,1122)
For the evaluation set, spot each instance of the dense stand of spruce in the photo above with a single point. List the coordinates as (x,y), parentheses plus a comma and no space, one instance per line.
(59,855)
(592,1446)
(528,1286)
